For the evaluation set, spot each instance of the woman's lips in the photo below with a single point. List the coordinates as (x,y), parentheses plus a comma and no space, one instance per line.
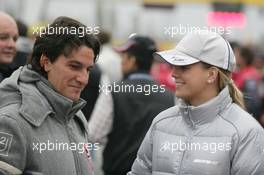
(179,83)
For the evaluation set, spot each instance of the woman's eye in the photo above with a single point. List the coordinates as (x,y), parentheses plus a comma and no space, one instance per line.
(184,68)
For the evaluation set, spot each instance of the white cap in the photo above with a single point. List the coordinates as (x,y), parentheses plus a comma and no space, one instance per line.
(205,46)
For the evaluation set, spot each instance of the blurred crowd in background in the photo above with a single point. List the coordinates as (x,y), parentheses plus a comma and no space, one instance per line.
(115,28)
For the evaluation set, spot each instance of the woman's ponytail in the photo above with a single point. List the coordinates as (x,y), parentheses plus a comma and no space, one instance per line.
(226,80)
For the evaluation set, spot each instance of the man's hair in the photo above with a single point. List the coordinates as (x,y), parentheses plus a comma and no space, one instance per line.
(22,28)
(234,45)
(104,37)
(247,55)
(143,49)
(52,44)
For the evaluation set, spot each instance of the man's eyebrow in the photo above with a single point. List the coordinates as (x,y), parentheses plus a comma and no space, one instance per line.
(6,33)
(75,62)
(91,66)
(79,64)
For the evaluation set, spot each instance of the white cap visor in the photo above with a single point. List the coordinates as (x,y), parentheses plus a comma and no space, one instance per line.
(175,57)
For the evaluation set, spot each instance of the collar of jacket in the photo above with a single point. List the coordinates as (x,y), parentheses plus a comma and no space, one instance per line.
(64,108)
(198,115)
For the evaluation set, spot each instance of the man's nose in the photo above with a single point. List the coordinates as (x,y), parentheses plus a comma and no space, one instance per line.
(10,42)
(83,77)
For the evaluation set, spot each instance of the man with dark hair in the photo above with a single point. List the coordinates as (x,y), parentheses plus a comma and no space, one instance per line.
(121,118)
(8,37)
(42,129)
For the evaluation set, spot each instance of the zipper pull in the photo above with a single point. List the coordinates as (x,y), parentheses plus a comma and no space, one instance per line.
(89,159)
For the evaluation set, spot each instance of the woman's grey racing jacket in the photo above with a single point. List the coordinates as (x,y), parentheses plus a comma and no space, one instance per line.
(215,138)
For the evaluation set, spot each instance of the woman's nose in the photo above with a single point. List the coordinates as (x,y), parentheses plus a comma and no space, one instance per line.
(176,71)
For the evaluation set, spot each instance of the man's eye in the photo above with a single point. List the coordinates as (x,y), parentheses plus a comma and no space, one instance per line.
(15,38)
(4,37)
(75,67)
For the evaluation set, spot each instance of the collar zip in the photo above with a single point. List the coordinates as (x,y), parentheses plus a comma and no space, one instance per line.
(188,114)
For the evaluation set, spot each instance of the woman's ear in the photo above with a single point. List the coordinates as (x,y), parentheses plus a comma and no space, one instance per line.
(212,74)
(45,63)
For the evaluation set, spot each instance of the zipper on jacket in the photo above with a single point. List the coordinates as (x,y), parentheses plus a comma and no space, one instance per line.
(188,138)
(75,156)
(187,113)
(190,117)
(183,154)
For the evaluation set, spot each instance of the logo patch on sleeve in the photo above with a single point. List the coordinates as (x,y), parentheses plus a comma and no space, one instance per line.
(5,143)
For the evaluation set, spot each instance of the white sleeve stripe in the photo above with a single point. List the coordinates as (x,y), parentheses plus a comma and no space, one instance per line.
(9,168)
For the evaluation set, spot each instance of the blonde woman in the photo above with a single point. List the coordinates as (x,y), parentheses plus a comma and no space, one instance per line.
(208,132)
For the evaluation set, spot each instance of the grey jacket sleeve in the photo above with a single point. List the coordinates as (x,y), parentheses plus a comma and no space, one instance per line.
(143,163)
(249,157)
(12,147)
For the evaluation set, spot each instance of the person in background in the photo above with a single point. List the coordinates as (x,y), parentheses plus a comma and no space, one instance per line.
(8,38)
(247,78)
(109,61)
(259,64)
(122,116)
(24,46)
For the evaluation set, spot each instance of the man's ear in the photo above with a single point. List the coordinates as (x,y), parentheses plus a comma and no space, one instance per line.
(45,63)
(212,74)
(133,59)
(133,62)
